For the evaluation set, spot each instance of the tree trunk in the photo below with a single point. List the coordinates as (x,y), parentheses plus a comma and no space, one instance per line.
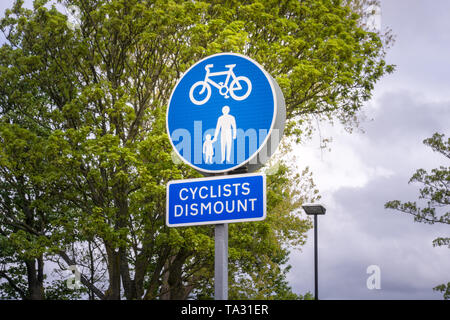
(175,279)
(113,292)
(152,287)
(35,279)
(165,288)
(129,285)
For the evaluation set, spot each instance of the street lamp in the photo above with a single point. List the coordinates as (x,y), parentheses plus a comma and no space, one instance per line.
(315,209)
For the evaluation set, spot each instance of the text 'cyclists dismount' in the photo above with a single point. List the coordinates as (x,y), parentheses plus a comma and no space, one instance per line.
(222,199)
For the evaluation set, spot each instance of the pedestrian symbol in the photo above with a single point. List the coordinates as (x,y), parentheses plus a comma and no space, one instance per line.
(226,127)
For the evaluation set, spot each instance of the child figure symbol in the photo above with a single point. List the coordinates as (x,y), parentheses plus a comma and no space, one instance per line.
(208,149)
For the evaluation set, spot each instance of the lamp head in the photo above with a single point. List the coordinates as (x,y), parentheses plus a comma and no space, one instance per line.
(313,208)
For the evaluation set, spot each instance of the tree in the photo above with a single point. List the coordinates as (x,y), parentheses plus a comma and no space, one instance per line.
(82,109)
(436,192)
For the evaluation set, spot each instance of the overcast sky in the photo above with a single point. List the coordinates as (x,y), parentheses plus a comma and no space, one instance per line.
(365,170)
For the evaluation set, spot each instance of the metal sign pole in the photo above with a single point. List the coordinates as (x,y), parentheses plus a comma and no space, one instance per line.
(221,262)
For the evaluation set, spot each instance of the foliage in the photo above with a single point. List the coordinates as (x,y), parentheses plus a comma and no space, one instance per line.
(445,289)
(435,191)
(84,155)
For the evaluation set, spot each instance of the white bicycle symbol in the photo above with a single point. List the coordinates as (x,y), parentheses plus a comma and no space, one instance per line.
(224,89)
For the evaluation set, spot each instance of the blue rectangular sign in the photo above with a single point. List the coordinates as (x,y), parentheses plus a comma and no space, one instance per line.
(224,199)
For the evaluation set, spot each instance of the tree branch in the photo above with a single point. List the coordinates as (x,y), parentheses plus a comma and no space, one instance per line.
(83,279)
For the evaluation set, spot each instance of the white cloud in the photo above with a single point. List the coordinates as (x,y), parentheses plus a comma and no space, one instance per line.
(344,165)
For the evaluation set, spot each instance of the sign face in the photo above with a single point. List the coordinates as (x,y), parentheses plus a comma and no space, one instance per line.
(220,199)
(222,113)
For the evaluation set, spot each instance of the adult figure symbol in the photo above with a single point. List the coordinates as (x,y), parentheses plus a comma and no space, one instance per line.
(226,127)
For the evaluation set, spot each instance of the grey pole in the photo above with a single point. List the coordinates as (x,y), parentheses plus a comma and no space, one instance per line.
(221,262)
(316,273)
(315,209)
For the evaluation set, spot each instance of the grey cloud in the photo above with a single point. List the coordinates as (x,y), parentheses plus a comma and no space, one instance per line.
(405,116)
(422,46)
(357,232)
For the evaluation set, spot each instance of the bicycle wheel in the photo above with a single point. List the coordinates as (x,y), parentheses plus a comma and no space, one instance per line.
(236,84)
(203,98)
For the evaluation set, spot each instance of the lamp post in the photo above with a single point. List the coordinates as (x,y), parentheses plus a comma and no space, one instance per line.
(315,209)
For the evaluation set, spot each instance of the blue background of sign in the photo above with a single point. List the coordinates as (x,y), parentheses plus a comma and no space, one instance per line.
(257,190)
(257,111)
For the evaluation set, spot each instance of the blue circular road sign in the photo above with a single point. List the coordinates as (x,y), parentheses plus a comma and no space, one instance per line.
(222,112)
